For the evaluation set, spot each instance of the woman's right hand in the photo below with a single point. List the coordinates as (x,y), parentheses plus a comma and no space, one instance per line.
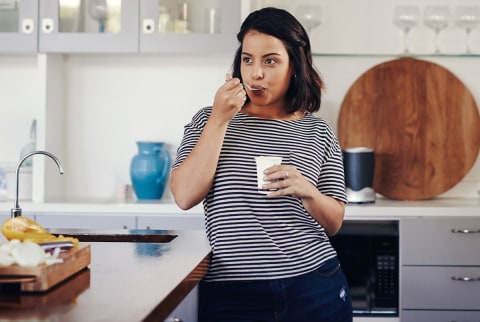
(229,99)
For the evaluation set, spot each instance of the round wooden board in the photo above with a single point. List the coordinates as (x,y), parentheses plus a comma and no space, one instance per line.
(422,122)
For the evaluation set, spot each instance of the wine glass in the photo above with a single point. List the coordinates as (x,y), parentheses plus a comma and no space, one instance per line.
(309,15)
(406,17)
(467,17)
(437,18)
(98,10)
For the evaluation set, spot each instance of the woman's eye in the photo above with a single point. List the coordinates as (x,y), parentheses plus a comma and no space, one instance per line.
(270,61)
(247,60)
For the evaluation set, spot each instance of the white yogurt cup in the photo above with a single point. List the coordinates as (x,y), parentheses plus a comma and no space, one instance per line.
(264,162)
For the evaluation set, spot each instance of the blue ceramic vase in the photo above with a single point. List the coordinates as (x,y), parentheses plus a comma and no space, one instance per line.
(149,170)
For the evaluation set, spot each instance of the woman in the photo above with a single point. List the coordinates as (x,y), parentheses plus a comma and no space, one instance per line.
(271,256)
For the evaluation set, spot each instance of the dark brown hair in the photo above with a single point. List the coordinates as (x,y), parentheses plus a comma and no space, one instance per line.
(306,85)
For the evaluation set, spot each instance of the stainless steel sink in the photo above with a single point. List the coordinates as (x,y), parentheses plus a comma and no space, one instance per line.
(119,235)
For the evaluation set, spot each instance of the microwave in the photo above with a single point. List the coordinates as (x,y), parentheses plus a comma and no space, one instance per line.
(368,253)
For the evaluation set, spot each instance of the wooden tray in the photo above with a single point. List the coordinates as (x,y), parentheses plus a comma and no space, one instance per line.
(42,278)
(422,122)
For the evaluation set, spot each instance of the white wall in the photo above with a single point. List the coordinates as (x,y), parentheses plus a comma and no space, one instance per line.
(113,100)
(18,104)
(126,99)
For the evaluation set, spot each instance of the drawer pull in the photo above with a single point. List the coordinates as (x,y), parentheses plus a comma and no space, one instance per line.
(465,279)
(465,231)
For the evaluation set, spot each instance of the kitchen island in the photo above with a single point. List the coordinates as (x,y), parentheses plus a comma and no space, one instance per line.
(124,282)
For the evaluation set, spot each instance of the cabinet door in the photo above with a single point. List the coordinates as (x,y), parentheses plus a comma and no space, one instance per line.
(86,221)
(171,222)
(440,241)
(173,26)
(87,26)
(18,26)
(441,316)
(446,288)
(187,310)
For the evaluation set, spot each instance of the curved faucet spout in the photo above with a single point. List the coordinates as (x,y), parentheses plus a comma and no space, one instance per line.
(16,211)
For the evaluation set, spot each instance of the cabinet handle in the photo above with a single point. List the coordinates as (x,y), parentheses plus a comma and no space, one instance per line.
(465,278)
(465,231)
(47,25)
(148,26)
(27,26)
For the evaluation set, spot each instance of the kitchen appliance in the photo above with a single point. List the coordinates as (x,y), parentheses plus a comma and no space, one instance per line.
(368,253)
(358,164)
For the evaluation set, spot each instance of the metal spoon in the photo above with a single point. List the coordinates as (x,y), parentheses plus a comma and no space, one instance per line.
(250,87)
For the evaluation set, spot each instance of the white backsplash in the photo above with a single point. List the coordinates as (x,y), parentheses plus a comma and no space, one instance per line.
(111,101)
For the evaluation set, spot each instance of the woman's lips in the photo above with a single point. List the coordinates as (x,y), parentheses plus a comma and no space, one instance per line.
(257,88)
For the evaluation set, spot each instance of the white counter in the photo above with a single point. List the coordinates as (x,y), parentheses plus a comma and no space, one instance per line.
(381,208)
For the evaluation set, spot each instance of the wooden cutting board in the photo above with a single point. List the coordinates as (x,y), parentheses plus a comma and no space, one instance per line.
(62,294)
(43,277)
(422,122)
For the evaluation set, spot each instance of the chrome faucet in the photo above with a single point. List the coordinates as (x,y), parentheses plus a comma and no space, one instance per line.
(16,211)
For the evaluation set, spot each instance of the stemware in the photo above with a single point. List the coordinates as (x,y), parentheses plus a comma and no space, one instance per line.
(309,15)
(406,17)
(437,18)
(98,10)
(467,17)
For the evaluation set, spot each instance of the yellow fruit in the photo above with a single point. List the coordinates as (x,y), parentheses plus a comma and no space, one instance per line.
(21,224)
(26,229)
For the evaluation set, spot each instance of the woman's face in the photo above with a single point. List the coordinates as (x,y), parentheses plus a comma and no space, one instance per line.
(265,66)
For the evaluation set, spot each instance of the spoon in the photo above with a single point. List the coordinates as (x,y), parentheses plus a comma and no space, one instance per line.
(251,88)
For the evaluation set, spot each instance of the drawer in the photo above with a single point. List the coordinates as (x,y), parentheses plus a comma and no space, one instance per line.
(424,287)
(440,316)
(171,221)
(440,241)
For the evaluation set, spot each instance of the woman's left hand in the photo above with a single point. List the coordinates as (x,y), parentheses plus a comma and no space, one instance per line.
(286,180)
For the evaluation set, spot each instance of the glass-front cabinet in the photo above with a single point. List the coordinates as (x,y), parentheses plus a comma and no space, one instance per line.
(189,26)
(131,26)
(18,26)
(88,26)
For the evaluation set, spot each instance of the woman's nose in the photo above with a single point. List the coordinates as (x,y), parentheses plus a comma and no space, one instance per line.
(257,72)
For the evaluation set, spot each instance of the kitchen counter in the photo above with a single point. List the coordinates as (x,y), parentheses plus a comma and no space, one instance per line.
(164,214)
(382,207)
(124,282)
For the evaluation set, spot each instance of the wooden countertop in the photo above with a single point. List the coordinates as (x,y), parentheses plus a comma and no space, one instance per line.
(124,282)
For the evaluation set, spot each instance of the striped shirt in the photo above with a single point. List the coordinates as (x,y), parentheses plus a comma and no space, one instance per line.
(254,237)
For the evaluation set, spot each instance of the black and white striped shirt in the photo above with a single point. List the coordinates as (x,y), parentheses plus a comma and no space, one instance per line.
(254,237)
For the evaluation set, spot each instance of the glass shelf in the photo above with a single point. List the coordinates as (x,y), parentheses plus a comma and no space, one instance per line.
(399,55)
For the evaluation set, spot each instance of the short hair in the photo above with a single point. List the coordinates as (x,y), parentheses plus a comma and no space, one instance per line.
(305,90)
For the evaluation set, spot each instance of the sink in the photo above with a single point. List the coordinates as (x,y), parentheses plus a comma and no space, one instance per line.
(119,235)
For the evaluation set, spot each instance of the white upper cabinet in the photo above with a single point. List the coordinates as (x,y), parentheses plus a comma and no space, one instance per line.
(194,26)
(88,26)
(133,26)
(18,26)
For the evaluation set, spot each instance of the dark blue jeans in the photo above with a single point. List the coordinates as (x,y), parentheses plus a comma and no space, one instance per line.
(319,296)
